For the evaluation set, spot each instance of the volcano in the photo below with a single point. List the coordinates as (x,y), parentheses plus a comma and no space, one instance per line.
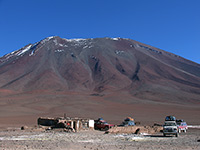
(108,77)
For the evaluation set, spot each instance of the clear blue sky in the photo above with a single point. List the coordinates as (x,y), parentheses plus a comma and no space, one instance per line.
(172,25)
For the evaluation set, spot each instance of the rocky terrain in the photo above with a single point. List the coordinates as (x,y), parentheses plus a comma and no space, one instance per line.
(15,139)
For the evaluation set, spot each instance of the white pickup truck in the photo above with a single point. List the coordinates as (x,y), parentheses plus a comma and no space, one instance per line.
(170,128)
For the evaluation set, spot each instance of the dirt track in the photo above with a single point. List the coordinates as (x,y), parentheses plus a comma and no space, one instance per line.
(96,140)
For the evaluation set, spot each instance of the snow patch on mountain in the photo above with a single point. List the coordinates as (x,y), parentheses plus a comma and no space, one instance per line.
(88,46)
(51,37)
(118,52)
(24,50)
(7,56)
(47,39)
(59,50)
(59,44)
(75,40)
(115,39)
(31,53)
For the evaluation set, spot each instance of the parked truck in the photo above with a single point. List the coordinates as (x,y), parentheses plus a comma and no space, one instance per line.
(170,126)
(101,124)
(129,121)
(182,126)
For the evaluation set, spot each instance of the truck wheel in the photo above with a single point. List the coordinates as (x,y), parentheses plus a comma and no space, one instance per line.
(176,134)
(164,134)
(106,128)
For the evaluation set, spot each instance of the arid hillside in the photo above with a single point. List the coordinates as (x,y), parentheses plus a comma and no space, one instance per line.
(108,77)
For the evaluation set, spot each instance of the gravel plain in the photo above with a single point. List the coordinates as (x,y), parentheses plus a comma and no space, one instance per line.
(16,139)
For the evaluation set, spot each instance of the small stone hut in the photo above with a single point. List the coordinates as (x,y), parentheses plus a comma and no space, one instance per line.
(67,122)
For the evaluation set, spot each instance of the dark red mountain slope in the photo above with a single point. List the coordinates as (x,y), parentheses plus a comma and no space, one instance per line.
(93,74)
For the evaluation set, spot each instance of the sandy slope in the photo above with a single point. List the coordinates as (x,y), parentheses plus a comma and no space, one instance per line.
(24,110)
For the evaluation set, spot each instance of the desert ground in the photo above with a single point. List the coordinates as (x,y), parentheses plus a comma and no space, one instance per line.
(16,139)
(18,110)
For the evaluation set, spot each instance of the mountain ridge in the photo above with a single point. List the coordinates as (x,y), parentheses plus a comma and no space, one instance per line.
(81,44)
